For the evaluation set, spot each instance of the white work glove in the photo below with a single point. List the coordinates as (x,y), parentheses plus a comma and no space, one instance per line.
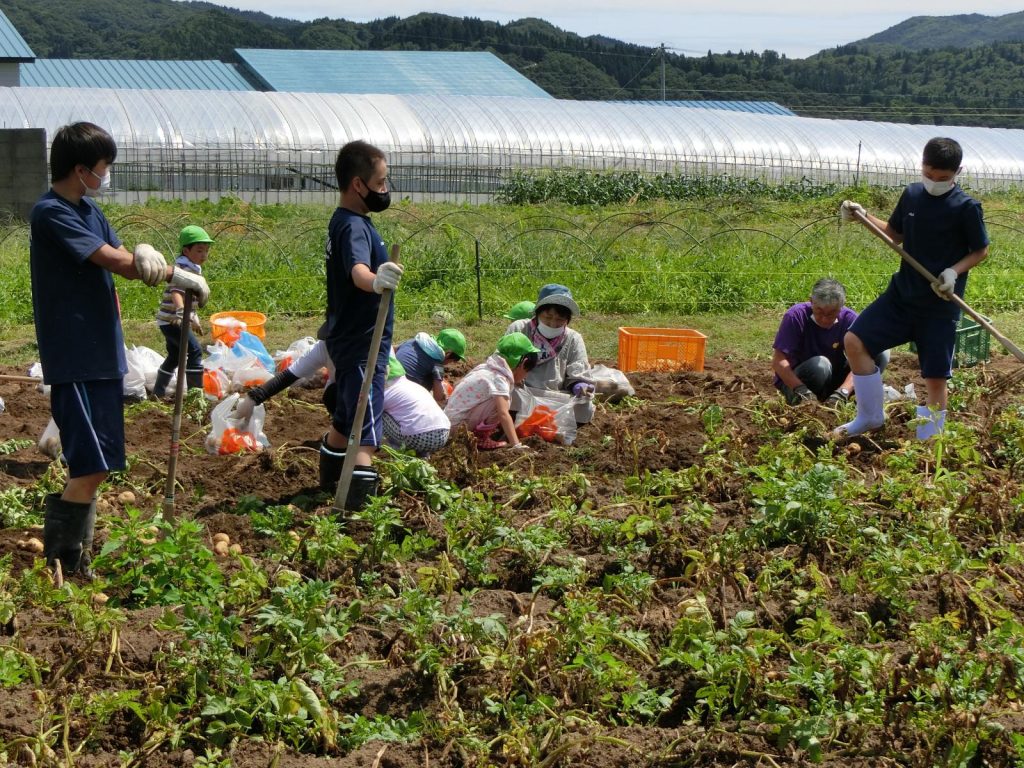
(943,287)
(197,327)
(150,264)
(387,277)
(174,318)
(519,447)
(243,408)
(190,281)
(848,210)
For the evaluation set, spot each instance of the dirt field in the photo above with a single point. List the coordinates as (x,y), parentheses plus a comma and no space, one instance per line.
(664,431)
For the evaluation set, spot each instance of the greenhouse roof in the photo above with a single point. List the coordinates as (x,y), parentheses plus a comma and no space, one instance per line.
(762,107)
(133,73)
(12,44)
(472,73)
(516,133)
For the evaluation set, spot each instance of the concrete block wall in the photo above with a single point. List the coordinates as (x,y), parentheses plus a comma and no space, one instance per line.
(23,172)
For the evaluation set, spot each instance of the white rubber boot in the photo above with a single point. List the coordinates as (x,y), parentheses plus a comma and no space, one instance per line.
(935,424)
(870,395)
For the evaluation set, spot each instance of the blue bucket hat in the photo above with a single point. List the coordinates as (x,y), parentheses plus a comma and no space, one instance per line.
(557,295)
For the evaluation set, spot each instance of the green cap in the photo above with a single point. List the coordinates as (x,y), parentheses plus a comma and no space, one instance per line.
(452,340)
(191,235)
(520,311)
(513,346)
(395,367)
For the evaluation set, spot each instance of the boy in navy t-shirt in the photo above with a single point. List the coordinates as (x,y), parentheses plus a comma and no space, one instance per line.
(424,358)
(942,227)
(73,254)
(358,271)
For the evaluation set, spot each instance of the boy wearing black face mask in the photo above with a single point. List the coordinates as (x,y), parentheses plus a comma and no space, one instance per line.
(563,362)
(942,227)
(74,253)
(358,271)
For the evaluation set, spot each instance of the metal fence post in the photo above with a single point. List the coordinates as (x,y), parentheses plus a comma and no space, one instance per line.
(479,295)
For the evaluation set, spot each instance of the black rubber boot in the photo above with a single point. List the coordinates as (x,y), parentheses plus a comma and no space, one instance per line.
(331,460)
(90,529)
(64,530)
(163,380)
(194,378)
(365,483)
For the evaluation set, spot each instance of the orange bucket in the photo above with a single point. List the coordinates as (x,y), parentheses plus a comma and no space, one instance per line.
(224,329)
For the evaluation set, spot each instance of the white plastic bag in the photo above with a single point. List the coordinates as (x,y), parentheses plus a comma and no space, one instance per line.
(148,362)
(135,380)
(548,415)
(231,435)
(610,384)
(240,367)
(285,357)
(36,372)
(49,441)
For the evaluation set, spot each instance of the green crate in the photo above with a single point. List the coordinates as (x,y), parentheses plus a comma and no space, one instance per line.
(971,346)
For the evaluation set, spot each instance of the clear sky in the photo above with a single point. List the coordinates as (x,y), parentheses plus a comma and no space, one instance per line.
(796,29)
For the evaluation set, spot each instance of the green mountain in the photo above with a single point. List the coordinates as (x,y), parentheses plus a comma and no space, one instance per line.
(963,31)
(882,78)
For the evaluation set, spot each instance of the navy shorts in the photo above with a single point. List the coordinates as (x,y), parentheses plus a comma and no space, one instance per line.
(347,388)
(888,322)
(90,417)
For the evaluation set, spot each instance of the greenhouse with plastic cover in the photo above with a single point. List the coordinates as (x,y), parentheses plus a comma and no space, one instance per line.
(280,146)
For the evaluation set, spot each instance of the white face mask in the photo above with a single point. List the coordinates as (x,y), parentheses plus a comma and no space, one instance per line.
(103,188)
(548,332)
(937,187)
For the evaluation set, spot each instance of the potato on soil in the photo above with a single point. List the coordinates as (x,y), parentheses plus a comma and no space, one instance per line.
(125,497)
(220,548)
(218,537)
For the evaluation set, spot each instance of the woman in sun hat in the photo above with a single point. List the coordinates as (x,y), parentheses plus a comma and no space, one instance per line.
(563,362)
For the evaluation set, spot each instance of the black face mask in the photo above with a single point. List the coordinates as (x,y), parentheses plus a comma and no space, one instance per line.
(376,201)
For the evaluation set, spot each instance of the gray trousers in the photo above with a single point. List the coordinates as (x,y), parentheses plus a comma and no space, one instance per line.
(817,375)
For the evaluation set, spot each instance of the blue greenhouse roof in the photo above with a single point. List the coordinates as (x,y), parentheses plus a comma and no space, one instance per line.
(12,44)
(759,107)
(133,73)
(449,73)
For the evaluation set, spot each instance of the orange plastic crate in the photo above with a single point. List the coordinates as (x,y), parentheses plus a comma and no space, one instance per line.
(661,349)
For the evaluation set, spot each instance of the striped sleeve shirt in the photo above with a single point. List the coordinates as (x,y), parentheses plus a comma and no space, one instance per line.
(167,307)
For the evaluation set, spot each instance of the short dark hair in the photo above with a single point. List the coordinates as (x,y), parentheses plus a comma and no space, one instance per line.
(357,158)
(529,361)
(79,143)
(943,154)
(563,312)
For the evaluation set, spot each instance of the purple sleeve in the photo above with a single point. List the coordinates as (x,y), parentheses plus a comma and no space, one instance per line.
(789,338)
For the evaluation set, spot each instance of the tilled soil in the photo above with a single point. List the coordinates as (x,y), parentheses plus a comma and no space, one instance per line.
(664,431)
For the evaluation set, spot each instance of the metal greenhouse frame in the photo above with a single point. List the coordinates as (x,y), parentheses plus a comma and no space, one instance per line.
(280,147)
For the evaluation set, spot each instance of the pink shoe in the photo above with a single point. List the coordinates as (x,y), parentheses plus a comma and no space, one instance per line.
(485,443)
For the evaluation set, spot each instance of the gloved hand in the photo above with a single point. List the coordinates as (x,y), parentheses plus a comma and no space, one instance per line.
(197,327)
(848,210)
(150,264)
(582,389)
(243,408)
(519,447)
(836,398)
(801,394)
(943,287)
(388,275)
(190,281)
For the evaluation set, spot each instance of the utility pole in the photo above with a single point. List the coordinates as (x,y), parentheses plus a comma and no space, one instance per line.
(662,71)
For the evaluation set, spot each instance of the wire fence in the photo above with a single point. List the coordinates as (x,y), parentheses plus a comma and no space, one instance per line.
(460,174)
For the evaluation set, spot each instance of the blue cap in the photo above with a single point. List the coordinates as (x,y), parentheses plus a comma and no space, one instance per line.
(557,295)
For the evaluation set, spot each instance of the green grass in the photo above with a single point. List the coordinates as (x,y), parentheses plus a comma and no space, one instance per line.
(727,267)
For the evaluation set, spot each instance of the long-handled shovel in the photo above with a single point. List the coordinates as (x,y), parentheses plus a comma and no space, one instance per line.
(179,398)
(349,465)
(1012,348)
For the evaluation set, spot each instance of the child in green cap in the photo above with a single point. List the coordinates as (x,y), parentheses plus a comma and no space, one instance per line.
(520,311)
(481,400)
(195,248)
(424,358)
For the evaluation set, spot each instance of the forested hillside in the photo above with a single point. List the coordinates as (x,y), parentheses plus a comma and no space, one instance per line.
(877,79)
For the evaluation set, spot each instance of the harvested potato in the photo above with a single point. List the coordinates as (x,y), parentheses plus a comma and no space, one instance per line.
(220,548)
(221,537)
(31,545)
(125,497)
(235,549)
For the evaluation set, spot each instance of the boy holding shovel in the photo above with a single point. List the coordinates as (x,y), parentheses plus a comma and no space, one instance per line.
(358,272)
(942,227)
(74,254)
